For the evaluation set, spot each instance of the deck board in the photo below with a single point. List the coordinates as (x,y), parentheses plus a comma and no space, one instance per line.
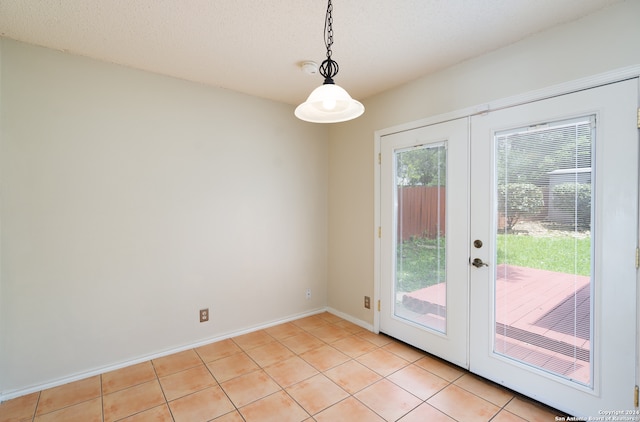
(542,317)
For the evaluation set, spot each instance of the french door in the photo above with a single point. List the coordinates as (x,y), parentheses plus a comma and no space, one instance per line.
(529,276)
(424,266)
(555,316)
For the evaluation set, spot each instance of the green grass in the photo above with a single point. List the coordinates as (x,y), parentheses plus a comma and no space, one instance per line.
(421,261)
(560,254)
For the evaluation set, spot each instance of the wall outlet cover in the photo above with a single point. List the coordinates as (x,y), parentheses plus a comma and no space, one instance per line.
(204,315)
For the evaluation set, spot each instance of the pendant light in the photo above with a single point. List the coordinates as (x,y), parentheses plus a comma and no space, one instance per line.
(329,103)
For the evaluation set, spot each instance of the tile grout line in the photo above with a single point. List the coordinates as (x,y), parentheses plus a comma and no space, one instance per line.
(503,408)
(35,410)
(166,402)
(351,359)
(237,410)
(409,363)
(377,347)
(283,389)
(101,399)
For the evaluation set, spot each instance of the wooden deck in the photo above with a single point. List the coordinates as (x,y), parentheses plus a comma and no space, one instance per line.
(542,318)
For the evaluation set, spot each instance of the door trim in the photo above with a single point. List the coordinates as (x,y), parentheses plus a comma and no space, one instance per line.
(589,82)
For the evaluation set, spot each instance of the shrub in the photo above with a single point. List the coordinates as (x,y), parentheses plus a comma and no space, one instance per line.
(573,200)
(516,200)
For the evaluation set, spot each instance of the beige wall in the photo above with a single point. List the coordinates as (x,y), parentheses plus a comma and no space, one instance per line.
(130,200)
(598,43)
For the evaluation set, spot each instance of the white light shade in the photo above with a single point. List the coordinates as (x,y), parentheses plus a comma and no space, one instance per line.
(329,103)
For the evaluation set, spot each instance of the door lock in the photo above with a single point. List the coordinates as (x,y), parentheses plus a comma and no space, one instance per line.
(477,262)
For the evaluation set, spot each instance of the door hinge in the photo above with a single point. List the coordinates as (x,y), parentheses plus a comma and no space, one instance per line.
(378,305)
(380,233)
(380,154)
(635,396)
(637,258)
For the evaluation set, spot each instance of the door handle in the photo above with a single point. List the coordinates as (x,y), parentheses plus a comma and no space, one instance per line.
(477,262)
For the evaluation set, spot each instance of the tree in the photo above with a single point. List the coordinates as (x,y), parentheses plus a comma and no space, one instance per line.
(424,166)
(528,157)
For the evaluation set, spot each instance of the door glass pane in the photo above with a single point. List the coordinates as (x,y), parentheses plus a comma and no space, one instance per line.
(543,289)
(420,270)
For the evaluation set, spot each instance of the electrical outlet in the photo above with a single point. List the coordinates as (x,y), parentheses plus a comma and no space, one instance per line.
(367,302)
(204,315)
(308,294)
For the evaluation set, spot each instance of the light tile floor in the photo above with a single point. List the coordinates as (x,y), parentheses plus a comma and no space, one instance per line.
(319,368)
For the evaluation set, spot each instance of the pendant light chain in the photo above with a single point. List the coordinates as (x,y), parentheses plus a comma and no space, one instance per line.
(328,29)
(329,68)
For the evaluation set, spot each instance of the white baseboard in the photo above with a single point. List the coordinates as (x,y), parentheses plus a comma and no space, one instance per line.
(349,318)
(101,370)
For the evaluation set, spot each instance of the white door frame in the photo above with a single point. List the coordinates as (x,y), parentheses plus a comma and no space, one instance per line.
(553,91)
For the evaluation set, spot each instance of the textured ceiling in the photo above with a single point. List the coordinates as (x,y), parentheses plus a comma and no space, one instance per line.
(256,46)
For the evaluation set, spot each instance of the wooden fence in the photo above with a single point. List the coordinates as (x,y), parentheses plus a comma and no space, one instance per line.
(422,210)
